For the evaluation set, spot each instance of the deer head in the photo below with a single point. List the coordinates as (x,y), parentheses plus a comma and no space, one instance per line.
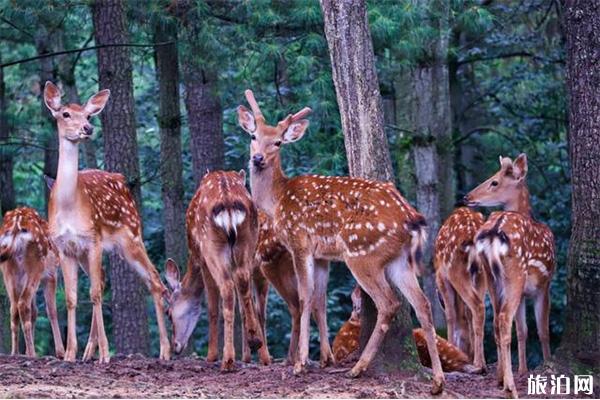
(504,187)
(266,139)
(184,308)
(73,119)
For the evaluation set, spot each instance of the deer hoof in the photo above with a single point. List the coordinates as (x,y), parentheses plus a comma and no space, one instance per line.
(300,368)
(228,365)
(354,372)
(69,356)
(437,386)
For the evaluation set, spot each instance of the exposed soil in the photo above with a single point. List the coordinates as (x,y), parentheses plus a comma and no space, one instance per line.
(140,377)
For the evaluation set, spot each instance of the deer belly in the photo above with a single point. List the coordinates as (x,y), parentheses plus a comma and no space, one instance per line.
(72,244)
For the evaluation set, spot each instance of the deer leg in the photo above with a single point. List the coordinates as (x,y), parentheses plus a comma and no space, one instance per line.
(261,288)
(448,296)
(320,311)
(405,279)
(377,287)
(304,268)
(69,270)
(521,323)
(26,315)
(96,286)
(92,344)
(14,311)
(212,300)
(227,290)
(252,328)
(50,300)
(295,334)
(512,299)
(477,307)
(136,255)
(542,319)
(246,354)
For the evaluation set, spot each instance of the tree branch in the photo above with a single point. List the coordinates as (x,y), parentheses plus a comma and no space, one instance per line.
(58,53)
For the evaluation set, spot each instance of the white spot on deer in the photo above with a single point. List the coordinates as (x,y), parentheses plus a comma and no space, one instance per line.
(381,227)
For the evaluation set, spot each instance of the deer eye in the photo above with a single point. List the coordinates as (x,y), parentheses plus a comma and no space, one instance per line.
(253,137)
(494,183)
(277,143)
(66,115)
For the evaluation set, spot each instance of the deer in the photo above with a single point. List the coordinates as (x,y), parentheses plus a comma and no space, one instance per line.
(90,211)
(347,342)
(519,262)
(274,263)
(461,282)
(222,232)
(28,258)
(365,223)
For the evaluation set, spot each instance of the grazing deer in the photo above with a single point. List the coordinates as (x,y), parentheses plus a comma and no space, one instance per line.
(461,281)
(519,262)
(346,342)
(275,263)
(222,231)
(28,258)
(90,211)
(365,223)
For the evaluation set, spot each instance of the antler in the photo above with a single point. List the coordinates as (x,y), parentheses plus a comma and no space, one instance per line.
(253,104)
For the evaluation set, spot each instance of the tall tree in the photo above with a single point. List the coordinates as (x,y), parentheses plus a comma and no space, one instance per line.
(130,323)
(169,122)
(361,112)
(581,341)
(431,124)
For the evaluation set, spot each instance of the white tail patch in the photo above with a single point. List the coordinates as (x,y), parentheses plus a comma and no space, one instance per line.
(16,243)
(229,220)
(539,265)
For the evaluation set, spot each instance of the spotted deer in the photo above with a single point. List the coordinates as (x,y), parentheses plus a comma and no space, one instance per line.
(461,282)
(222,231)
(27,258)
(365,223)
(519,262)
(275,263)
(347,342)
(91,211)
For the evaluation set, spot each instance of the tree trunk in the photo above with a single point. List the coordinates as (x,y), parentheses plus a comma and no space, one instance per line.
(169,122)
(7,203)
(581,341)
(205,119)
(130,322)
(359,101)
(431,124)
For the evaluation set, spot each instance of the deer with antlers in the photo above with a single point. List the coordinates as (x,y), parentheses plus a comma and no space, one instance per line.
(461,282)
(222,229)
(275,263)
(91,211)
(365,223)
(27,258)
(519,262)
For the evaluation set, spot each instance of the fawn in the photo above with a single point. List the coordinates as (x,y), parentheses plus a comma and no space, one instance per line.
(222,231)
(275,263)
(27,258)
(519,262)
(91,211)
(461,282)
(365,223)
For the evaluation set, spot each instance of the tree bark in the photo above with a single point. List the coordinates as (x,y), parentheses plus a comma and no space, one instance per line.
(130,322)
(431,124)
(205,119)
(581,341)
(169,122)
(361,112)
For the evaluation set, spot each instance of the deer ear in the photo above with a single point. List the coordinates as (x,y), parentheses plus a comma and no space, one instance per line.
(52,97)
(97,102)
(172,274)
(246,119)
(242,174)
(295,131)
(505,163)
(520,166)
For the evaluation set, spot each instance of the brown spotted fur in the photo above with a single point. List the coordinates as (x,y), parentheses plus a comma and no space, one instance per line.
(27,258)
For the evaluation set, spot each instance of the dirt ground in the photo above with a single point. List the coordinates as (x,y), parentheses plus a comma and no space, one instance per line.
(140,377)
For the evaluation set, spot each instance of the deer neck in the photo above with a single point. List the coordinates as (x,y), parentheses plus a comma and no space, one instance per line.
(66,177)
(520,203)
(192,282)
(267,185)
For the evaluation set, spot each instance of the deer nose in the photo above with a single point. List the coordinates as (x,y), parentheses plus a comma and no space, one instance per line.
(88,130)
(258,159)
(465,200)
